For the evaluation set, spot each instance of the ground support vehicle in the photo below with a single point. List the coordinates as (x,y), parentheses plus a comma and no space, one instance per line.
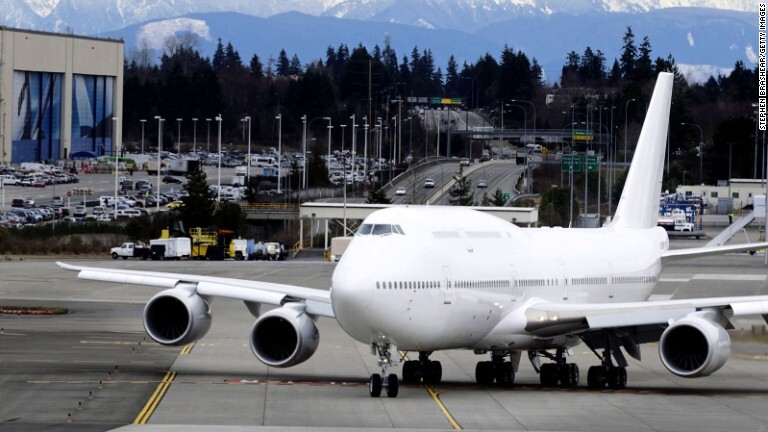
(130,250)
(242,249)
(170,248)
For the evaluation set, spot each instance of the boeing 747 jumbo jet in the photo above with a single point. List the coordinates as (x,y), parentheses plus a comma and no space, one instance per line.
(456,278)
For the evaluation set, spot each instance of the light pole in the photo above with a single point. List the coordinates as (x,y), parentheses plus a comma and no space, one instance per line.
(194,134)
(160,121)
(626,111)
(218,184)
(329,140)
(142,135)
(117,157)
(248,160)
(208,122)
(534,117)
(701,151)
(354,145)
(279,119)
(304,151)
(178,135)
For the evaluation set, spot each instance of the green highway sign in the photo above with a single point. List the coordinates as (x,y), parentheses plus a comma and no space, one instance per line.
(592,163)
(507,196)
(583,135)
(571,163)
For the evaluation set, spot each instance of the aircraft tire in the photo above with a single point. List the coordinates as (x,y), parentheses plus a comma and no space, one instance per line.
(392,386)
(374,385)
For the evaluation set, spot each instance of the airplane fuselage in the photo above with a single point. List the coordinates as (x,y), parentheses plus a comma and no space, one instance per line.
(425,284)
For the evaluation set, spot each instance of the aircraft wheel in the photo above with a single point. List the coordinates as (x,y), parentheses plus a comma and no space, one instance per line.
(411,373)
(505,374)
(392,386)
(596,377)
(549,375)
(433,373)
(374,385)
(484,373)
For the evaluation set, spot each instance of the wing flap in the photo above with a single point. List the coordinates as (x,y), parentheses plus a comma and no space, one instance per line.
(554,319)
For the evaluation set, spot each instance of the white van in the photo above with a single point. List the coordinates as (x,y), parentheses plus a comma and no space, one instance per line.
(128,213)
(260,161)
(9,179)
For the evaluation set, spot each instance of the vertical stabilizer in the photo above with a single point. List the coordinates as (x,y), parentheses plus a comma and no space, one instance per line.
(639,203)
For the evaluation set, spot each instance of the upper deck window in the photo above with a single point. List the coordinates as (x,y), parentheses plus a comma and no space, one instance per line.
(380,229)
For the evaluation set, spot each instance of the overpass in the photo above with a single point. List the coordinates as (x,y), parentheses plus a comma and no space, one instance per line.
(522,216)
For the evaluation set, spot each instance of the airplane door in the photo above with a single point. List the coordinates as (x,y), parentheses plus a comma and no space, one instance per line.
(447,285)
(517,291)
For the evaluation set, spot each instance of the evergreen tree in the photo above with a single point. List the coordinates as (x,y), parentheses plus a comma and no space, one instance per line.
(198,207)
(461,193)
(317,176)
(376,195)
(628,55)
(230,216)
(283,68)
(257,70)
(295,68)
(643,65)
(232,60)
(218,56)
(555,207)
(495,200)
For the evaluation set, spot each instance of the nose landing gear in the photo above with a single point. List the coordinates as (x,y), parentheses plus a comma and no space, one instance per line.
(385,380)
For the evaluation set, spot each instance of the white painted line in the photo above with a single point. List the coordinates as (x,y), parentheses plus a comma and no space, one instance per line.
(674,279)
(730,277)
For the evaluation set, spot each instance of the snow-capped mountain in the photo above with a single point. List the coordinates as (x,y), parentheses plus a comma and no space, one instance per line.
(99,16)
(705,36)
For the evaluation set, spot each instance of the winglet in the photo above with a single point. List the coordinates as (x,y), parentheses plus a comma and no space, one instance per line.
(639,203)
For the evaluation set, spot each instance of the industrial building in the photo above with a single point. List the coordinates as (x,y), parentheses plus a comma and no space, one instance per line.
(60,95)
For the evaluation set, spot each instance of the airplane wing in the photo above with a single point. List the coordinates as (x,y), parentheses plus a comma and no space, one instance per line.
(318,302)
(552,319)
(675,254)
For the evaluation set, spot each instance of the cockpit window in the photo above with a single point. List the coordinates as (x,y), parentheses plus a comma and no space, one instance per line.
(365,229)
(380,229)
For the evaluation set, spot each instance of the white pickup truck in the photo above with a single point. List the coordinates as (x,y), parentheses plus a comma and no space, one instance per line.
(130,250)
(681,224)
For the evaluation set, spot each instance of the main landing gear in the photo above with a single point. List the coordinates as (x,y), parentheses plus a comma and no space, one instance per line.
(430,371)
(389,381)
(498,370)
(607,375)
(560,373)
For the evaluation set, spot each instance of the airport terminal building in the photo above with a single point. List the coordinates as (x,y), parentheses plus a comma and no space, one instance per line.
(59,94)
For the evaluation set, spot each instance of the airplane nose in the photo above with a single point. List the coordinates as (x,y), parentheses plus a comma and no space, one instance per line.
(351,292)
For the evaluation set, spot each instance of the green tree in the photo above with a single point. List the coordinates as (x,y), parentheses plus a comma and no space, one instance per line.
(376,195)
(317,176)
(198,207)
(555,207)
(230,216)
(495,200)
(461,192)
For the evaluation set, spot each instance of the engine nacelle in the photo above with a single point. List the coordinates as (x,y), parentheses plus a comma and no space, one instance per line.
(177,316)
(284,337)
(695,346)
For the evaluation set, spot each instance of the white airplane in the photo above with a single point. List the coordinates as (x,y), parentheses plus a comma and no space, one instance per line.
(424,279)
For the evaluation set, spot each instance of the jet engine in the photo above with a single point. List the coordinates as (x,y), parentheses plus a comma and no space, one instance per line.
(284,337)
(695,346)
(177,316)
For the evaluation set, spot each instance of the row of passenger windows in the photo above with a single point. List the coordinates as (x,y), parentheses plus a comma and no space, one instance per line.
(634,279)
(380,229)
(501,283)
(408,285)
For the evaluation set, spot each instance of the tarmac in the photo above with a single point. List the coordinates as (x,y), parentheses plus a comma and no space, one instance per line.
(94,369)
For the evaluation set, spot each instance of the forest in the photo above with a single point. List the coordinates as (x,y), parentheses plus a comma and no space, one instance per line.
(361,81)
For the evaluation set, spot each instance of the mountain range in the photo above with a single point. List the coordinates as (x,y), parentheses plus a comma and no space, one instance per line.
(705,36)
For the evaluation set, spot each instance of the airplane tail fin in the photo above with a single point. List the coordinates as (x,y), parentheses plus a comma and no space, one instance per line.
(639,203)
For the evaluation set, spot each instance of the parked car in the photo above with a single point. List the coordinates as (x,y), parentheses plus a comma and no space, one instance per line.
(57,201)
(171,179)
(80,211)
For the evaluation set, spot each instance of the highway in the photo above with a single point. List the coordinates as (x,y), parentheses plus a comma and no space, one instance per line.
(498,174)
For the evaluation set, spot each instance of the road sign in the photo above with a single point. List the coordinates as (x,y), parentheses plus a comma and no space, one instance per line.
(507,196)
(592,163)
(583,135)
(571,163)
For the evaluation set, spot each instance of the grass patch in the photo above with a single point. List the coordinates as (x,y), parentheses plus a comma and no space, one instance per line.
(36,310)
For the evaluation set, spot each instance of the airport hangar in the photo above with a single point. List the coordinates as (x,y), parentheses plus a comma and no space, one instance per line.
(59,94)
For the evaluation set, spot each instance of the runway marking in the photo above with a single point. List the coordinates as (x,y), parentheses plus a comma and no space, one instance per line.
(291,382)
(436,397)
(106,342)
(729,277)
(187,349)
(155,399)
